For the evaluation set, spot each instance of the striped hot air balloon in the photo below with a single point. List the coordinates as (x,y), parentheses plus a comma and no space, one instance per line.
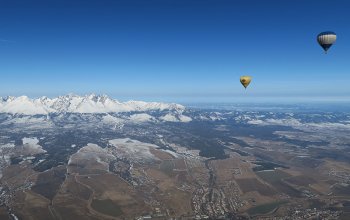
(326,39)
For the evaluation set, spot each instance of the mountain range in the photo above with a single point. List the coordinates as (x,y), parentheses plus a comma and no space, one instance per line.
(79,104)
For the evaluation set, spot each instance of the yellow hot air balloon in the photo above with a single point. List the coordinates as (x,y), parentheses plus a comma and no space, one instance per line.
(245,80)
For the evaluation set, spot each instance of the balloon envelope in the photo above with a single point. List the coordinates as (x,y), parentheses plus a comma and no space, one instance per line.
(326,39)
(245,80)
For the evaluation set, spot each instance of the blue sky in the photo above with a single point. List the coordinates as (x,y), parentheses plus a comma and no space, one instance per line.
(174,49)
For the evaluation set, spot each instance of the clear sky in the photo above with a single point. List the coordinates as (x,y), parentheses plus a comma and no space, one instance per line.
(174,49)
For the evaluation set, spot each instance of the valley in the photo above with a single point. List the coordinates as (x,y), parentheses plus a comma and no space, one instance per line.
(221,164)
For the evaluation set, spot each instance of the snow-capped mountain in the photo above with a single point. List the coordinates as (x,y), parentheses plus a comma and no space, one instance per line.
(79,104)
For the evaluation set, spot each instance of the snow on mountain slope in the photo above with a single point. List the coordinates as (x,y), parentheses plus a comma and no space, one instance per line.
(109,119)
(146,106)
(24,105)
(78,104)
(141,117)
(173,118)
(138,150)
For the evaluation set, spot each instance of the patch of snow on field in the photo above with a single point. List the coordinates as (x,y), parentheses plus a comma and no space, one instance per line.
(184,118)
(14,217)
(331,125)
(92,156)
(9,145)
(32,145)
(32,122)
(172,153)
(169,118)
(134,149)
(256,122)
(109,119)
(297,124)
(173,118)
(287,122)
(143,117)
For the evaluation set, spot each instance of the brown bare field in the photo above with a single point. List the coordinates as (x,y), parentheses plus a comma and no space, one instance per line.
(228,163)
(180,164)
(86,167)
(273,176)
(108,186)
(225,169)
(276,178)
(161,179)
(76,189)
(16,175)
(161,154)
(3,214)
(66,206)
(182,176)
(340,190)
(84,171)
(246,170)
(337,165)
(301,180)
(73,201)
(201,174)
(167,166)
(321,187)
(29,205)
(175,200)
(254,198)
(294,172)
(48,183)
(323,181)
(252,184)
